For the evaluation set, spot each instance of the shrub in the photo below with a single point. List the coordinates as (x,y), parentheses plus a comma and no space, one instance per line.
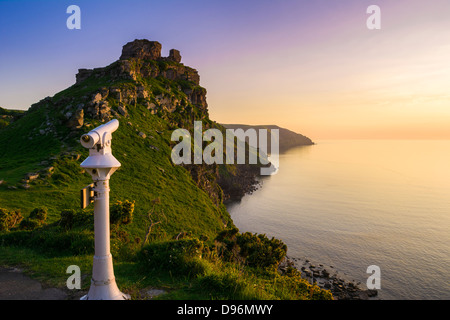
(35,220)
(255,250)
(30,224)
(177,256)
(122,212)
(39,214)
(84,219)
(260,251)
(9,219)
(67,219)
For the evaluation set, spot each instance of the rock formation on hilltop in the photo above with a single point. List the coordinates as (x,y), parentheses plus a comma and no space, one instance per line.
(146,52)
(139,62)
(141,49)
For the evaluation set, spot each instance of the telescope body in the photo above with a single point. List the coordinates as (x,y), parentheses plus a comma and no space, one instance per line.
(100,134)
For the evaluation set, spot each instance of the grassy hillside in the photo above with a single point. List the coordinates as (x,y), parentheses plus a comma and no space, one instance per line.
(170,229)
(146,174)
(8,116)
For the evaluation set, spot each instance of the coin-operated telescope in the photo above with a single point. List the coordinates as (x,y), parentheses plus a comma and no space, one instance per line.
(101,164)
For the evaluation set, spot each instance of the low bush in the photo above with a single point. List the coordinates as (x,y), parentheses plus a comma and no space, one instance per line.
(255,250)
(39,214)
(35,220)
(9,219)
(179,256)
(122,212)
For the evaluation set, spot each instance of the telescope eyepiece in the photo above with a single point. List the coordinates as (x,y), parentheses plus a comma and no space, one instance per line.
(99,134)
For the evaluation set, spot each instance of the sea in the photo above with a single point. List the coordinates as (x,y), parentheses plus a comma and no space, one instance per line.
(352,204)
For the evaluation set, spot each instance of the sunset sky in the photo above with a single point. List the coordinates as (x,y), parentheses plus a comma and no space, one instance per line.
(310,66)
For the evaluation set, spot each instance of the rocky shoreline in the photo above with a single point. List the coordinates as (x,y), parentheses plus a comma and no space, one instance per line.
(330,279)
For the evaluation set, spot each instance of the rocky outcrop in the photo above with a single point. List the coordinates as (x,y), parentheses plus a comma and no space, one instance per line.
(76,119)
(329,279)
(136,60)
(174,55)
(140,60)
(83,74)
(142,49)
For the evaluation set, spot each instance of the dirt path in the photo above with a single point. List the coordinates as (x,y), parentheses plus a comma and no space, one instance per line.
(14,285)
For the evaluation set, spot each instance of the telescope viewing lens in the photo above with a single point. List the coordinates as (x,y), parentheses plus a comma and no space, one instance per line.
(86,138)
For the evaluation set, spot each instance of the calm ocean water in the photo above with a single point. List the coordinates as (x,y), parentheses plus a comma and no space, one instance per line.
(355,203)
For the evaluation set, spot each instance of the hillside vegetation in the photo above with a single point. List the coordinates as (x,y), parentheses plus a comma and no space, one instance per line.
(169,225)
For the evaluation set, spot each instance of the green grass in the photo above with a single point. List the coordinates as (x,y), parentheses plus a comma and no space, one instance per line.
(196,278)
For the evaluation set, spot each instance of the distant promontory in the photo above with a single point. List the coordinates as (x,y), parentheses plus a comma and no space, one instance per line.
(288,138)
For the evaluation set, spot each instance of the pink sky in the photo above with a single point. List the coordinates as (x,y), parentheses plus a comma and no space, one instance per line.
(310,66)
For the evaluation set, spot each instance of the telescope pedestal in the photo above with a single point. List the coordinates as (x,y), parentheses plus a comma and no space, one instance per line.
(103,283)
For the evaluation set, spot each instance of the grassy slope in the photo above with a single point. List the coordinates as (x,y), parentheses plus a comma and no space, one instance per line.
(147,172)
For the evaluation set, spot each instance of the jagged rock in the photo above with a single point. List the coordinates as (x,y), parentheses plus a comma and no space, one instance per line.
(141,93)
(142,135)
(122,110)
(144,50)
(104,110)
(167,104)
(174,55)
(125,70)
(116,93)
(83,74)
(129,95)
(151,105)
(76,120)
(141,49)
(32,176)
(104,92)
(97,98)
(49,169)
(197,97)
